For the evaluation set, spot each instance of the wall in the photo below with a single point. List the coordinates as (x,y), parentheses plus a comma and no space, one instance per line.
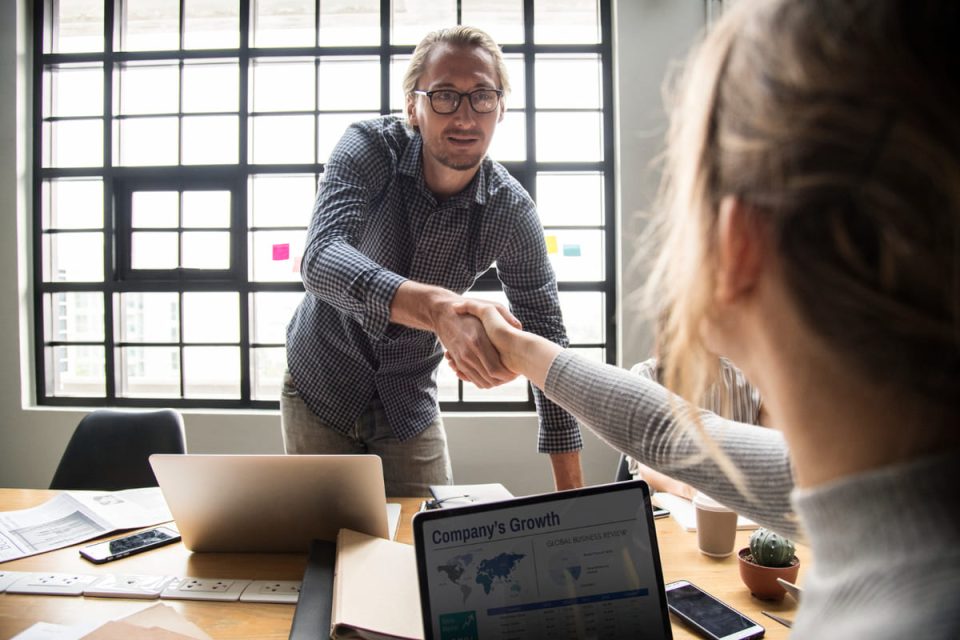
(483,448)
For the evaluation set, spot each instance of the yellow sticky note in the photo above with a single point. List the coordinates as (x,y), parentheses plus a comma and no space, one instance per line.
(551,244)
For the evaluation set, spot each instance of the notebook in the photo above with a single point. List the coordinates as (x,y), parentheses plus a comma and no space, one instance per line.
(271,503)
(573,564)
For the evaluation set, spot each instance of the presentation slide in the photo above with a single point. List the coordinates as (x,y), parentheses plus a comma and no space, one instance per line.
(580,567)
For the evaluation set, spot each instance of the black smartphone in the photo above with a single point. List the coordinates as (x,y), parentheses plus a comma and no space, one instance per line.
(660,512)
(101,552)
(708,615)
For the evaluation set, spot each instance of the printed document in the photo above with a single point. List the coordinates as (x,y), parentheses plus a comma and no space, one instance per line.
(76,516)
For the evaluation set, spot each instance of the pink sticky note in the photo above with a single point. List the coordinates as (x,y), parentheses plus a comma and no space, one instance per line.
(296,264)
(281,252)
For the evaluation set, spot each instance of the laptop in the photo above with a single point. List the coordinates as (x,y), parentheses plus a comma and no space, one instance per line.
(270,503)
(573,564)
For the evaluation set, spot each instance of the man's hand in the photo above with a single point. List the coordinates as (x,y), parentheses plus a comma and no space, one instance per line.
(468,348)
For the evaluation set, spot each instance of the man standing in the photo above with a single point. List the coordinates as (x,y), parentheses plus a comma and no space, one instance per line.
(407,216)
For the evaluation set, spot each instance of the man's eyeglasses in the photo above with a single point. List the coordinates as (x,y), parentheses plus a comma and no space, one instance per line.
(446,101)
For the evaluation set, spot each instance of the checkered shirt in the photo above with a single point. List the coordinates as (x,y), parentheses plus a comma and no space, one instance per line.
(376,224)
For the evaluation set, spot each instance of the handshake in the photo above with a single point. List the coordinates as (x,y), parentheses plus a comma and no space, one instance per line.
(478,337)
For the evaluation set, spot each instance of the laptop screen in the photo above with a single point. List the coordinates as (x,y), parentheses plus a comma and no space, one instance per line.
(571,564)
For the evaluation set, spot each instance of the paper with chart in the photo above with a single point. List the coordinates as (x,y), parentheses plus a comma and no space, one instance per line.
(72,517)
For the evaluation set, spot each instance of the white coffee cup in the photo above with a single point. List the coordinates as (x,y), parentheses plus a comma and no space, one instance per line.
(716,527)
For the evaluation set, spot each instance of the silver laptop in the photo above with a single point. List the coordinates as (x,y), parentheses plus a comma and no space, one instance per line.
(270,503)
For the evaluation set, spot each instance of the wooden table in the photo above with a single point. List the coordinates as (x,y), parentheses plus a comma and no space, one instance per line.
(678,553)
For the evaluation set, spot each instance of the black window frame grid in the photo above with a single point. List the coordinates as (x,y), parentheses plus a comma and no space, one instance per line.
(118,181)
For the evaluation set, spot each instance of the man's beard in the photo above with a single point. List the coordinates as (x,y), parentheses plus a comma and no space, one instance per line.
(460,164)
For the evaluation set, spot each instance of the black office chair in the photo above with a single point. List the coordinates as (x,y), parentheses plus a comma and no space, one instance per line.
(623,470)
(109,449)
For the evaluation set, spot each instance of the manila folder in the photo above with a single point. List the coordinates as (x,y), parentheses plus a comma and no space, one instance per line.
(375,592)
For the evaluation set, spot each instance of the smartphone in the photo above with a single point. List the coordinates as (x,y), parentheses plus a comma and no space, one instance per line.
(660,512)
(101,552)
(708,615)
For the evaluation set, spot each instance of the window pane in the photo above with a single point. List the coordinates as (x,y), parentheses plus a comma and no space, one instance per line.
(413,19)
(353,23)
(398,66)
(570,199)
(155,209)
(270,312)
(73,316)
(147,141)
(73,203)
(577,256)
(206,250)
(448,385)
(149,88)
(206,209)
(267,375)
(74,90)
(513,391)
(73,143)
(210,139)
(331,127)
(154,250)
(78,26)
(75,371)
(568,81)
(281,200)
(275,255)
(283,23)
(211,24)
(583,315)
(281,139)
(597,355)
(148,372)
(210,86)
(211,372)
(283,85)
(568,22)
(211,316)
(569,137)
(502,19)
(510,141)
(349,83)
(149,317)
(73,257)
(150,25)
(517,99)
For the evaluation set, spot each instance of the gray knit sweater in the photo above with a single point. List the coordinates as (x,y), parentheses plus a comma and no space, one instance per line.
(886,544)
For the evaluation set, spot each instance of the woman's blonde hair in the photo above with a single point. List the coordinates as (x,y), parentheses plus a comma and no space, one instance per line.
(461,36)
(837,122)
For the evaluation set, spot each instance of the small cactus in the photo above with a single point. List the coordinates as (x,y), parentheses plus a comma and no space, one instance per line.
(770,550)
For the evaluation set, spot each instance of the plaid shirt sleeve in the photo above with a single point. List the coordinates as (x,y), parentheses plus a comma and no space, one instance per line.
(332,268)
(531,288)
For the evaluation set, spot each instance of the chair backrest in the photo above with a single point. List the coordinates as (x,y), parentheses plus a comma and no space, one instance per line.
(109,449)
(623,470)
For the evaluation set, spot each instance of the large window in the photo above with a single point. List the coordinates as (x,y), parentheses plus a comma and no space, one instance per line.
(178,144)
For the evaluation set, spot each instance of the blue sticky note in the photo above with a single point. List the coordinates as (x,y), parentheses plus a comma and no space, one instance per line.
(571,250)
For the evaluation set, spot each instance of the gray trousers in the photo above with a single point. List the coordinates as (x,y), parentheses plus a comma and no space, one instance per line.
(409,467)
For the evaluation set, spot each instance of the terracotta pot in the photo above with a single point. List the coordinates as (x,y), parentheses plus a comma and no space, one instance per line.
(762,581)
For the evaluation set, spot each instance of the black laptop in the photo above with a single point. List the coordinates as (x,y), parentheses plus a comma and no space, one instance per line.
(571,564)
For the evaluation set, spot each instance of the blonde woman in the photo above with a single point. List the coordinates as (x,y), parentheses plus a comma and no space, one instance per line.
(812,234)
